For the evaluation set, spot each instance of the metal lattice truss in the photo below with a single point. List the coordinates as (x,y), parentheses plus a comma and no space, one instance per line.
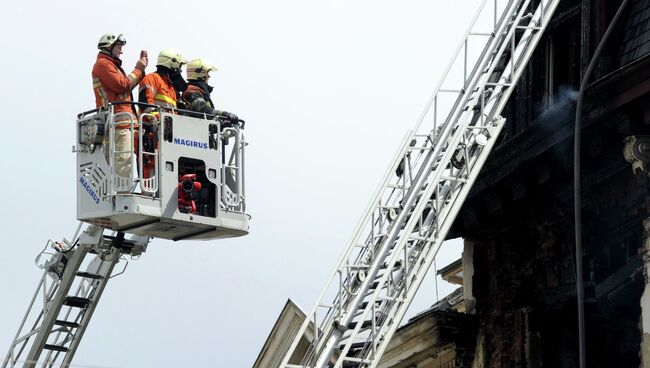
(421,193)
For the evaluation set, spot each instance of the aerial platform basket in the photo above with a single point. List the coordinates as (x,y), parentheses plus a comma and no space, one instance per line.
(186,179)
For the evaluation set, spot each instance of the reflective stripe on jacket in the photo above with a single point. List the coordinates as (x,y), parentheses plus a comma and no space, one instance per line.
(111,84)
(156,89)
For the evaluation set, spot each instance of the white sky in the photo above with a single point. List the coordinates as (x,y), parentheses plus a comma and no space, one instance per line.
(328,90)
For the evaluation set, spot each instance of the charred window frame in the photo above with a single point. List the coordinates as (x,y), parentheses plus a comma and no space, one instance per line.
(558,69)
(561,67)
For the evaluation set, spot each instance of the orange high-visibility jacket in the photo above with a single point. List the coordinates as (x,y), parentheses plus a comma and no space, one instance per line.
(111,84)
(156,89)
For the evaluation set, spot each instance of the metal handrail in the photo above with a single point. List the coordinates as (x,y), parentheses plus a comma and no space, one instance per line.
(113,121)
(150,184)
(236,155)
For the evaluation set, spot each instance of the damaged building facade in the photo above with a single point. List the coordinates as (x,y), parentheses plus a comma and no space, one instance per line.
(519,295)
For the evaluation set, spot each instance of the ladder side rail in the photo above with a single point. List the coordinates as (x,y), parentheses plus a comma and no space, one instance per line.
(392,242)
(394,196)
(332,312)
(86,289)
(392,201)
(108,265)
(499,24)
(342,258)
(414,217)
(466,100)
(460,47)
(529,40)
(56,304)
(382,252)
(51,356)
(429,250)
(22,339)
(396,200)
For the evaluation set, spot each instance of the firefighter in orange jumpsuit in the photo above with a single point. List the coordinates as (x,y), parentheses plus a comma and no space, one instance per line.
(160,88)
(197,95)
(111,84)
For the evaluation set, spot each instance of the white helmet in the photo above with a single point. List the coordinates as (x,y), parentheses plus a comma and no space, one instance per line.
(171,59)
(198,69)
(107,41)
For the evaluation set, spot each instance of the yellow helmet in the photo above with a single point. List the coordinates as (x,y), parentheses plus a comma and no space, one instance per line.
(109,39)
(198,69)
(171,59)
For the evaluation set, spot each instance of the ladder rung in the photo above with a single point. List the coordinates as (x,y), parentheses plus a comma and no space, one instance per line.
(395,300)
(420,238)
(385,207)
(451,178)
(356,360)
(418,148)
(499,84)
(349,363)
(363,306)
(89,275)
(356,345)
(489,34)
(66,324)
(76,302)
(357,267)
(534,28)
(365,325)
(451,90)
(475,127)
(55,348)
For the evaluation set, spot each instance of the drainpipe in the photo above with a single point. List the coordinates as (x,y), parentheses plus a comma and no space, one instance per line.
(576,181)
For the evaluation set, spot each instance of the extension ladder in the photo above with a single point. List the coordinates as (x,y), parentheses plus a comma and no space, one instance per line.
(421,193)
(55,326)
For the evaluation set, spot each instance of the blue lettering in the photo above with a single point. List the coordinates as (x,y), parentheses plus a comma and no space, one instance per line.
(89,190)
(190,143)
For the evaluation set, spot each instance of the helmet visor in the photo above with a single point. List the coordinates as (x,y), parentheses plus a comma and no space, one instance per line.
(121,39)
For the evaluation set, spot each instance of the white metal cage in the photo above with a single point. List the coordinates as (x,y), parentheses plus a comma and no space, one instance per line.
(186,176)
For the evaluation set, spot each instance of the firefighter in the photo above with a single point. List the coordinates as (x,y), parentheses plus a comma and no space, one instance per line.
(163,86)
(160,88)
(197,95)
(112,84)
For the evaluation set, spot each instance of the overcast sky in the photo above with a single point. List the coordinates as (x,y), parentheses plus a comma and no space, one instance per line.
(328,89)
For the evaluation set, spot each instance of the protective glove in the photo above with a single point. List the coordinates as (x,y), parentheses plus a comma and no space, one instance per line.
(230,116)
